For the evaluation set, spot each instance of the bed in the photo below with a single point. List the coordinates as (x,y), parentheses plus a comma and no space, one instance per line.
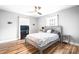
(43,40)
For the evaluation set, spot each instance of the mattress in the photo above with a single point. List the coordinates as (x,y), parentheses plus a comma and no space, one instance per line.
(41,38)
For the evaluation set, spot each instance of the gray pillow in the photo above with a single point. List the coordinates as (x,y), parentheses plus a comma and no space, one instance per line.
(52,31)
(56,32)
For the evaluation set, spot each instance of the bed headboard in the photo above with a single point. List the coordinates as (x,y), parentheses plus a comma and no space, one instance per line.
(57,28)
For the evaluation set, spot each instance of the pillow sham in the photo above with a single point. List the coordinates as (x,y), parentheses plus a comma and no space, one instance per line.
(48,31)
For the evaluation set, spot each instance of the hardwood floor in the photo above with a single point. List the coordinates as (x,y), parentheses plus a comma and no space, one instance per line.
(57,48)
(19,47)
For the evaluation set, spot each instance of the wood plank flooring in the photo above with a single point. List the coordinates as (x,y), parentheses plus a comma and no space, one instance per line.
(19,47)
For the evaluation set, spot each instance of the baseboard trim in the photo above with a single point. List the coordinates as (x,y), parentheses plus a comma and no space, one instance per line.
(8,40)
(73,43)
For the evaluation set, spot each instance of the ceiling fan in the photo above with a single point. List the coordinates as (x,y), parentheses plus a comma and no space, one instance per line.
(36,10)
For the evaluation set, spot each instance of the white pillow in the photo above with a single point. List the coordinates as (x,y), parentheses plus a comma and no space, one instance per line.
(48,31)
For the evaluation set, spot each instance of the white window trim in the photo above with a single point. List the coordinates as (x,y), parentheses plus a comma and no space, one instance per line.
(52,21)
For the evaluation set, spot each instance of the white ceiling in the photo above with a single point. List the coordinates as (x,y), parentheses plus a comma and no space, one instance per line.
(47,7)
(25,6)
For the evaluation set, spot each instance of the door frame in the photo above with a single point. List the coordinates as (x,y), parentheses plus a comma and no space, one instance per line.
(18,26)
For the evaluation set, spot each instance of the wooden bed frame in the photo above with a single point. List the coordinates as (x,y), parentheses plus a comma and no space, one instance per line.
(57,28)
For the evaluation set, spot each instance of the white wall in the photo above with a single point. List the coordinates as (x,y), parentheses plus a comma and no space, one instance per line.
(69,19)
(24,21)
(9,32)
(41,22)
(33,28)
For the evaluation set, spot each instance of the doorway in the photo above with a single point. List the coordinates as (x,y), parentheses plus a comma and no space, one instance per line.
(24,31)
(23,27)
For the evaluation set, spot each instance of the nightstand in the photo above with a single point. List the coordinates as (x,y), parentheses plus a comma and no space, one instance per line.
(66,38)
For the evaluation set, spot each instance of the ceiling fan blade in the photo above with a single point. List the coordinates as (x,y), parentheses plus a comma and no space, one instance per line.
(39,13)
(36,10)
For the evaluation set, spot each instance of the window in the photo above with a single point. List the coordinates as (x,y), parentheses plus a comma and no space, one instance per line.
(52,21)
